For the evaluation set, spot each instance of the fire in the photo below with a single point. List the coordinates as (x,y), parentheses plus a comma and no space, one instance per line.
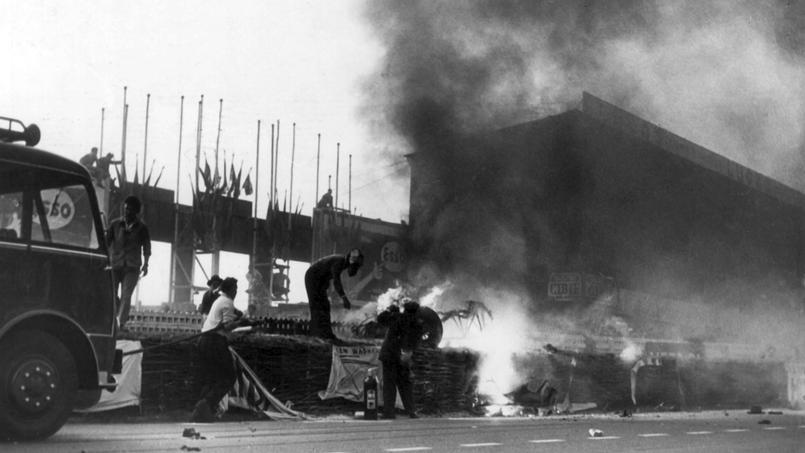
(498,338)
(498,329)
(631,352)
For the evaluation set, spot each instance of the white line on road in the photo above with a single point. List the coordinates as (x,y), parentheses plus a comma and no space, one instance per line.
(485,444)
(546,441)
(410,449)
(653,435)
(736,430)
(774,428)
(698,433)
(604,437)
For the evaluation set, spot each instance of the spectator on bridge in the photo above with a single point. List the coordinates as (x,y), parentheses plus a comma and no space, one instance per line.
(130,247)
(103,164)
(217,369)
(90,161)
(317,280)
(326,200)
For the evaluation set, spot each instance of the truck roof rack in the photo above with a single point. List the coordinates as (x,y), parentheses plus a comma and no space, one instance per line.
(29,134)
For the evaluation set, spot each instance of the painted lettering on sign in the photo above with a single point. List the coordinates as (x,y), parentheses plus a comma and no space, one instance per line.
(392,256)
(59,208)
(565,286)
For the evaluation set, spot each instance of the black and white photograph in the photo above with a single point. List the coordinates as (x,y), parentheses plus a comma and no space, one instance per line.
(402,226)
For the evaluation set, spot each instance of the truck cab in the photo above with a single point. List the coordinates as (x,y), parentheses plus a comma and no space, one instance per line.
(57,323)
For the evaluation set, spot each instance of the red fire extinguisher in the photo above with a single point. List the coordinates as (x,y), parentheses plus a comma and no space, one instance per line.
(370,395)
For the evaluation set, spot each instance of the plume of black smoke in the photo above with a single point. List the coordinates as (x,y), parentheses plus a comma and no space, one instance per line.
(725,74)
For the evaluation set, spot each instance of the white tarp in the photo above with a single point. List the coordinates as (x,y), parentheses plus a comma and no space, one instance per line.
(349,368)
(129,381)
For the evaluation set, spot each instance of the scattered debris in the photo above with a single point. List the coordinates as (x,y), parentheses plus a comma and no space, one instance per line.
(755,410)
(192,433)
(504,410)
(595,432)
(764,422)
(543,411)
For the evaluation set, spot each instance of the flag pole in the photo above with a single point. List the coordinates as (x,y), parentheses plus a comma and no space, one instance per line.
(123,138)
(271,172)
(318,160)
(337,162)
(171,297)
(256,198)
(103,117)
(276,165)
(145,141)
(218,137)
(349,187)
(198,139)
(290,190)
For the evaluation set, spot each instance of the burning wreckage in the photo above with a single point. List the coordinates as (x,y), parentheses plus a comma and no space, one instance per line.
(625,267)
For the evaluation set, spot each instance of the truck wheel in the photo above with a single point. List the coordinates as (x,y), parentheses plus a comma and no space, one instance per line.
(38,382)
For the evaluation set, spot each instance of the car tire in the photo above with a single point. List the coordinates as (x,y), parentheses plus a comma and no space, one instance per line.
(432,327)
(38,384)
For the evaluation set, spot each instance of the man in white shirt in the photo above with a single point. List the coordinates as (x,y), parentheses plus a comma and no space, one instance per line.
(217,367)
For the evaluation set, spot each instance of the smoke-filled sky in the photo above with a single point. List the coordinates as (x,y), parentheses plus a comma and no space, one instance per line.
(386,78)
(727,75)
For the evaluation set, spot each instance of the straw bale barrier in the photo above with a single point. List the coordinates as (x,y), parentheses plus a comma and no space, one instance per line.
(295,369)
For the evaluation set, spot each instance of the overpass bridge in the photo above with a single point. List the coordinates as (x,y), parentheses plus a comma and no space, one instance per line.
(283,235)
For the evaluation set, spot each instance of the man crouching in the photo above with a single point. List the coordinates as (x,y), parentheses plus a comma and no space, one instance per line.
(217,367)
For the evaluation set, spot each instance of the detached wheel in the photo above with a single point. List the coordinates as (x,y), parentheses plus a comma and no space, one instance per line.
(38,383)
(432,328)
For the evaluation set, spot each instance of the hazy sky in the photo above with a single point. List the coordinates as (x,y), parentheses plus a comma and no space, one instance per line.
(297,61)
(292,61)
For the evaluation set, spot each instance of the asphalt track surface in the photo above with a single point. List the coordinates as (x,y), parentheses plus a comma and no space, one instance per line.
(716,431)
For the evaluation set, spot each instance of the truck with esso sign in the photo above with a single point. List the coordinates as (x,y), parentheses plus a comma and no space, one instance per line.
(57,323)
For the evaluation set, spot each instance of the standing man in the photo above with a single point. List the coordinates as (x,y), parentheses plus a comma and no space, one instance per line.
(128,239)
(317,280)
(102,165)
(402,336)
(88,160)
(217,367)
(212,293)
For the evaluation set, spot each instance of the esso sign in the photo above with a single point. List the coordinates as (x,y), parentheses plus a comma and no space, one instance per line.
(59,207)
(392,257)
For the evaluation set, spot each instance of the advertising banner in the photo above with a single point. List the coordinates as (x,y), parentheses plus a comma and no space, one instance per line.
(349,369)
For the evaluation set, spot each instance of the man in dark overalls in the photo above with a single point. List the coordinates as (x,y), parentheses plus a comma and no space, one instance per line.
(402,337)
(317,280)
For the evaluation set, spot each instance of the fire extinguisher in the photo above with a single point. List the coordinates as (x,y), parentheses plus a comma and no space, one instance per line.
(370,395)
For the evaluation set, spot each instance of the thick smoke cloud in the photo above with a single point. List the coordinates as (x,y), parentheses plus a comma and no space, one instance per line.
(725,74)
(728,75)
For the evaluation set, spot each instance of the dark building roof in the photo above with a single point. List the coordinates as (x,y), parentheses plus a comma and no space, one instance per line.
(619,119)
